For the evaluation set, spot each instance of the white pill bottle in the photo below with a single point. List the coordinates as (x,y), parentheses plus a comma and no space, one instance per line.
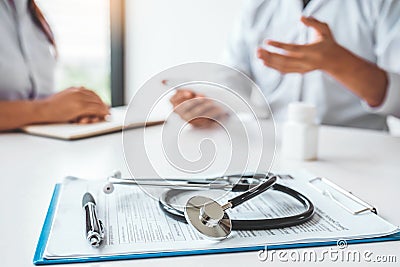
(300,132)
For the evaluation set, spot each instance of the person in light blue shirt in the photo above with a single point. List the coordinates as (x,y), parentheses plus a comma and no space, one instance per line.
(341,56)
(27,65)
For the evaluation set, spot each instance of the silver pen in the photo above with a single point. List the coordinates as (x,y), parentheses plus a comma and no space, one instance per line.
(94,227)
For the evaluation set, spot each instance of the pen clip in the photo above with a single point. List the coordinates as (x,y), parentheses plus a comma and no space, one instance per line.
(331,187)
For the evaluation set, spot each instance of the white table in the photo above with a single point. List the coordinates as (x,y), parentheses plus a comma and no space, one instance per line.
(366,163)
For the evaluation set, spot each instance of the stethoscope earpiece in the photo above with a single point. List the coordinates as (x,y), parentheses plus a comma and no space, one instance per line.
(108,188)
(116,174)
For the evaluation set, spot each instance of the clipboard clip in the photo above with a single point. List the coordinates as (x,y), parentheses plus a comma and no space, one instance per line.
(330,189)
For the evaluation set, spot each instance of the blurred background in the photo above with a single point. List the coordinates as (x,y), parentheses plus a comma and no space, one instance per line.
(82,32)
(114,46)
(190,31)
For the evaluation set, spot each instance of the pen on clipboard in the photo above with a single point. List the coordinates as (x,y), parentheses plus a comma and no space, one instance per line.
(94,227)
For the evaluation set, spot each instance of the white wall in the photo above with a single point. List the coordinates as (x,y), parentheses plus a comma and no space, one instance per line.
(164,33)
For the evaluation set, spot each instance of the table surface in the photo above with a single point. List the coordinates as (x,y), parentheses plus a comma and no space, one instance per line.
(367,163)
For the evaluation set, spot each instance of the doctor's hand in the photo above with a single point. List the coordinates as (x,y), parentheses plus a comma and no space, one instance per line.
(197,109)
(76,104)
(364,78)
(318,55)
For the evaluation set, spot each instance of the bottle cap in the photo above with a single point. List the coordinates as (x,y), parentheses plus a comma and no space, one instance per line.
(301,112)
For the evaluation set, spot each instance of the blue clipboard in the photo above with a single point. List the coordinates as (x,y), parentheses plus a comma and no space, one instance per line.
(38,258)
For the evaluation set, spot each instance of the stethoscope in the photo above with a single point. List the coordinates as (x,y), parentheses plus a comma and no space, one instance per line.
(208,217)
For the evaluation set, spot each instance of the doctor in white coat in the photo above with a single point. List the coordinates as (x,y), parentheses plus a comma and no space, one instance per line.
(341,56)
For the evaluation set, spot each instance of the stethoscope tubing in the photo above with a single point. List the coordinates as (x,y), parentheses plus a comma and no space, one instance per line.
(259,224)
(274,223)
(249,184)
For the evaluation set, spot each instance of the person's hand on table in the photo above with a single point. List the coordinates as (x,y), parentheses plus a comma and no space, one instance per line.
(75,104)
(197,109)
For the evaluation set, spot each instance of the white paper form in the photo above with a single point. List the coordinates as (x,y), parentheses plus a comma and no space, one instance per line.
(132,217)
(135,223)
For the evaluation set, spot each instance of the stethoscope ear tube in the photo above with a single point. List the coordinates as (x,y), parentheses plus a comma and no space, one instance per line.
(236,201)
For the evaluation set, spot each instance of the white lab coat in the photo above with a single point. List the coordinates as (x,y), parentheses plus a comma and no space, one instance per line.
(368,28)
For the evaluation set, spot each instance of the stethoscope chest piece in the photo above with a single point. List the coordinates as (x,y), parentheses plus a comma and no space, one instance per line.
(208,217)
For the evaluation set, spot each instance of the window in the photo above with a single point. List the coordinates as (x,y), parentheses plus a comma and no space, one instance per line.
(82,32)
(161,34)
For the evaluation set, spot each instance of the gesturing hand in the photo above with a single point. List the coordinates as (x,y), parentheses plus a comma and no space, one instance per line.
(304,58)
